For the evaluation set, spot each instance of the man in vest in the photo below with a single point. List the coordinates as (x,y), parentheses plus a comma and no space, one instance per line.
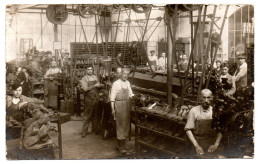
(120,93)
(90,84)
(204,139)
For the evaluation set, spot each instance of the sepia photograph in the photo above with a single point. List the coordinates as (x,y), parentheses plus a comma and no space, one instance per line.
(129,81)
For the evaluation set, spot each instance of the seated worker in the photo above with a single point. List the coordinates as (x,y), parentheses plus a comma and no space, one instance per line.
(15,116)
(90,84)
(153,60)
(204,139)
(183,63)
(120,104)
(228,82)
(162,63)
(53,70)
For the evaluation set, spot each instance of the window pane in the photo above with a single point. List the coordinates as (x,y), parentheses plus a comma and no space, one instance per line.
(231,44)
(231,22)
(245,14)
(238,23)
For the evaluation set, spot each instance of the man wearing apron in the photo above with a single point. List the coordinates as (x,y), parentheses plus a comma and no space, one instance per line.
(120,104)
(89,83)
(198,128)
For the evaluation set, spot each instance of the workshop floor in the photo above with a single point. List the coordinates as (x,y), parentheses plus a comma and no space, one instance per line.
(91,147)
(75,147)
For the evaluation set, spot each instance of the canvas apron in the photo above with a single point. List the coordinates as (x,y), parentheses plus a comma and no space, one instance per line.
(122,113)
(91,103)
(205,136)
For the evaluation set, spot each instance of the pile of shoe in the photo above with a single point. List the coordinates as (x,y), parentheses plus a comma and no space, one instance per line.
(37,129)
(179,114)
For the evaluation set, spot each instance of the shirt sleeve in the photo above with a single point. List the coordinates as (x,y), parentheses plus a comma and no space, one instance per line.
(233,88)
(84,83)
(242,72)
(190,120)
(47,73)
(130,89)
(114,91)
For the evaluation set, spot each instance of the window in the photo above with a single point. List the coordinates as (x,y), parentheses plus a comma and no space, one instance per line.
(240,31)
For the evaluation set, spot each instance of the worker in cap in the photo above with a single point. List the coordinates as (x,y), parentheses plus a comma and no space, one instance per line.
(121,92)
(241,72)
(90,84)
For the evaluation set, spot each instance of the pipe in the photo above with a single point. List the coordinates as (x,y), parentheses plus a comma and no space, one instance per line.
(114,45)
(142,47)
(98,59)
(216,49)
(207,51)
(192,55)
(175,56)
(192,49)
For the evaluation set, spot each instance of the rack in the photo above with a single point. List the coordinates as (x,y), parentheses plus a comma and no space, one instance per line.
(173,139)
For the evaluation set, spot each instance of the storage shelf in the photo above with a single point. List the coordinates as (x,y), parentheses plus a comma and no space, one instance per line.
(155,147)
(161,133)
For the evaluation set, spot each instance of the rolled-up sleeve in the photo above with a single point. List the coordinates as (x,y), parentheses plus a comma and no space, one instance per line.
(190,120)
(130,90)
(84,83)
(114,91)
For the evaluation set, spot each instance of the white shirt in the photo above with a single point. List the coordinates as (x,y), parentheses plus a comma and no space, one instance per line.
(153,58)
(118,85)
(162,62)
(52,71)
(197,113)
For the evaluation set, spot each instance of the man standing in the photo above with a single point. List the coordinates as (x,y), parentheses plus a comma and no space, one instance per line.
(241,72)
(89,83)
(198,126)
(183,63)
(162,62)
(228,82)
(153,60)
(118,63)
(53,70)
(120,94)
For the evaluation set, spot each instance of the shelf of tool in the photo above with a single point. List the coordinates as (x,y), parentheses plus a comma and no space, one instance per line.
(81,48)
(139,141)
(181,47)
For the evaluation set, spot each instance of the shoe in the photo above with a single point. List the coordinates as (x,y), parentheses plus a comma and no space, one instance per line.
(83,134)
(120,147)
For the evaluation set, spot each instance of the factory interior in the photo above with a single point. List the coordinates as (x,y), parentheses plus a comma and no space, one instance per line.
(129,81)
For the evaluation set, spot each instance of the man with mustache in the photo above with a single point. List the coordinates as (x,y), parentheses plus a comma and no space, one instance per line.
(204,139)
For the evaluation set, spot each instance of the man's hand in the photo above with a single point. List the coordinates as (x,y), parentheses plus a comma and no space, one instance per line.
(114,114)
(212,148)
(199,150)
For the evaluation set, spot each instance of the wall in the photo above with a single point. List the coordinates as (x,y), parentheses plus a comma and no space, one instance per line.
(29,26)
